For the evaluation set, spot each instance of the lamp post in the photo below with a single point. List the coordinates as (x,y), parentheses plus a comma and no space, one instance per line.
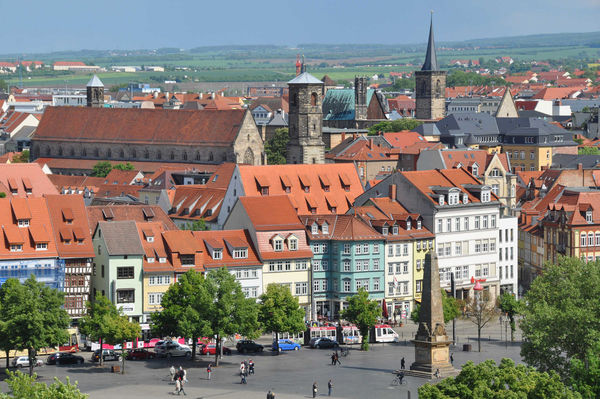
(478,288)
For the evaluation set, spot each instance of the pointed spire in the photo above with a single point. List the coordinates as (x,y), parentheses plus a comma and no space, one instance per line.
(507,107)
(431,312)
(430,58)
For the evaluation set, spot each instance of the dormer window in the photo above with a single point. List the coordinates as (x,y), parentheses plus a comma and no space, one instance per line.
(150,239)
(485,196)
(314,229)
(408,224)
(16,247)
(395,230)
(419,224)
(384,231)
(240,253)
(475,170)
(293,243)
(148,234)
(162,260)
(277,244)
(23,222)
(465,198)
(150,259)
(325,228)
(453,198)
(41,246)
(588,216)
(441,200)
(217,253)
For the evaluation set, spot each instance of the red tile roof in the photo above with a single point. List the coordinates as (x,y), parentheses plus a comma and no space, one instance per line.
(138,213)
(281,214)
(219,239)
(135,125)
(23,174)
(69,63)
(117,176)
(195,202)
(287,180)
(67,212)
(144,167)
(556,93)
(341,228)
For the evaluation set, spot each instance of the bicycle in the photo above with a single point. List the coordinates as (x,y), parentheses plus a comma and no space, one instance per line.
(399,380)
(344,352)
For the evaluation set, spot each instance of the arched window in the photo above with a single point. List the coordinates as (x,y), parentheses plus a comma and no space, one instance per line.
(84,152)
(96,152)
(121,154)
(60,151)
(158,155)
(197,155)
(108,153)
(313,99)
(146,154)
(172,155)
(438,88)
(423,87)
(249,157)
(133,153)
(184,156)
(71,151)
(211,157)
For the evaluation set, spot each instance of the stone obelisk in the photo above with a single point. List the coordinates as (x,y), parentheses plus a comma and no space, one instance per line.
(431,342)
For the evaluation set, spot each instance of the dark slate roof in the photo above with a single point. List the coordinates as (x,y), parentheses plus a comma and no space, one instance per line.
(570,161)
(338,104)
(121,238)
(430,63)
(278,120)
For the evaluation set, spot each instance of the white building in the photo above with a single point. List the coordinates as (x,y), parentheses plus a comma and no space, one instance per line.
(69,100)
(507,254)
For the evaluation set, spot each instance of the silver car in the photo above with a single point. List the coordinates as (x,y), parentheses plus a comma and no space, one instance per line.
(172,349)
(23,361)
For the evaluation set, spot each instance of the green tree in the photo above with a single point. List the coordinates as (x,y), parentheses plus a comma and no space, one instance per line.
(394,126)
(34,315)
(101,169)
(480,310)
(196,225)
(511,306)
(506,380)
(184,306)
(364,313)
(124,166)
(276,147)
(451,309)
(2,194)
(93,324)
(119,330)
(229,312)
(23,157)
(588,150)
(561,315)
(584,377)
(279,311)
(24,386)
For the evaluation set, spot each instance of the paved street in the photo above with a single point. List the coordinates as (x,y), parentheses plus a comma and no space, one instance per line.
(290,375)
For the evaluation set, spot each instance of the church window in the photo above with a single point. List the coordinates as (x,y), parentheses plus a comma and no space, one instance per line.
(146,154)
(60,151)
(108,153)
(211,157)
(96,152)
(423,87)
(172,155)
(313,99)
(121,154)
(184,156)
(83,152)
(438,88)
(295,99)
(197,155)
(158,155)
(71,152)
(133,154)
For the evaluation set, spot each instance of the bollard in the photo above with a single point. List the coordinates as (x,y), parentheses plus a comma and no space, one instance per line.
(408,395)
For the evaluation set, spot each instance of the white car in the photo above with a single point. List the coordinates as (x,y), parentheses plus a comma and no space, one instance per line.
(172,348)
(23,361)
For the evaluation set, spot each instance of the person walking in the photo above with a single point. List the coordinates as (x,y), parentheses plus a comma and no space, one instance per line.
(182,383)
(402,364)
(209,370)
(437,373)
(452,358)
(177,385)
(243,373)
(251,367)
(333,358)
(337,359)
(172,372)
(329,387)
(270,395)
(315,388)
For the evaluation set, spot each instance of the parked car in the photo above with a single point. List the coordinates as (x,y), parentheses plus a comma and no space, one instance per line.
(323,342)
(23,361)
(211,349)
(140,354)
(64,358)
(247,345)
(285,345)
(107,354)
(172,349)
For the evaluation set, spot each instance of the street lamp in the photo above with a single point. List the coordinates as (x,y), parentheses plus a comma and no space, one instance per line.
(478,288)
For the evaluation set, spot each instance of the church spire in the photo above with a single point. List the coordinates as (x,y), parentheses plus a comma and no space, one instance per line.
(430,58)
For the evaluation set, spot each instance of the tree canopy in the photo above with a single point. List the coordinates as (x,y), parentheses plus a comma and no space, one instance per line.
(480,311)
(394,126)
(451,309)
(123,166)
(279,311)
(506,380)
(24,386)
(364,313)
(276,147)
(511,306)
(561,315)
(101,169)
(33,314)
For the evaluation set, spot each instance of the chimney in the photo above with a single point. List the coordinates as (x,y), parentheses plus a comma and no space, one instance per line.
(393,192)
(343,136)
(200,95)
(370,145)
(353,136)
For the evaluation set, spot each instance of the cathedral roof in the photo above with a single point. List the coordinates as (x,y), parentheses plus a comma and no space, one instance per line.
(339,104)
(95,82)
(431,63)
(304,78)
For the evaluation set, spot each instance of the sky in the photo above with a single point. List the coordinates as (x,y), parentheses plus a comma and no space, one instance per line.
(56,25)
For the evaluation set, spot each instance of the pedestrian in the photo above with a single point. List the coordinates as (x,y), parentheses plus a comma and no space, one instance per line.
(270,395)
(452,358)
(243,377)
(437,373)
(177,386)
(337,359)
(315,388)
(185,376)
(209,370)
(246,368)
(333,358)
(172,372)
(402,364)
(181,384)
(330,387)
(251,367)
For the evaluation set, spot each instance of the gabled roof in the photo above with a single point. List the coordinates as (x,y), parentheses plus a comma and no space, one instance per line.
(60,209)
(156,249)
(341,176)
(403,139)
(281,214)
(361,149)
(121,238)
(22,174)
(195,202)
(117,176)
(219,239)
(138,213)
(135,125)
(341,227)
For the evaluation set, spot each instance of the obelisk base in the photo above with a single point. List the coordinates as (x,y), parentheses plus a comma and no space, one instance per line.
(433,355)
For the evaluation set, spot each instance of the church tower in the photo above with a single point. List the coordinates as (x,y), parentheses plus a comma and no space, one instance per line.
(360,98)
(306,120)
(507,107)
(95,93)
(430,85)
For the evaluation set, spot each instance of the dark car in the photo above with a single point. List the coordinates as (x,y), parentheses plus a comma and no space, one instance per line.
(107,354)
(323,342)
(140,354)
(247,345)
(64,358)
(211,349)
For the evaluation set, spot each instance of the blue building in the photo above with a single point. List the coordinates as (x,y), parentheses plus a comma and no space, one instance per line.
(348,255)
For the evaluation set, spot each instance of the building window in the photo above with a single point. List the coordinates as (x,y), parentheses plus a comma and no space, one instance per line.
(240,253)
(375,264)
(466,223)
(477,220)
(375,249)
(419,284)
(485,222)
(346,285)
(346,265)
(301,288)
(493,221)
(278,245)
(217,254)
(293,244)
(187,260)
(41,246)
(583,240)
(376,284)
(125,272)
(125,296)
(458,248)
(346,249)
(448,225)
(418,265)
(588,216)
